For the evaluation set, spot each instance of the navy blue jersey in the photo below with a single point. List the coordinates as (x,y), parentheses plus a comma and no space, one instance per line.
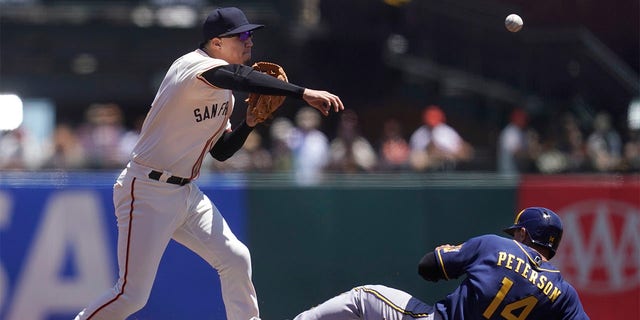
(505,279)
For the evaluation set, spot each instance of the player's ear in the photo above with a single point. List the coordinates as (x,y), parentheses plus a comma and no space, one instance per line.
(216,42)
(520,234)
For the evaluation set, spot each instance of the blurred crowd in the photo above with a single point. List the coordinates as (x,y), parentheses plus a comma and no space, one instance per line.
(300,146)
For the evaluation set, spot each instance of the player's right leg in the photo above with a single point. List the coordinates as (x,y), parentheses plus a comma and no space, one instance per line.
(371,302)
(147,214)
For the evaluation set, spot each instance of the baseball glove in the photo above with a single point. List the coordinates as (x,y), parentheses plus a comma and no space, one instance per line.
(261,106)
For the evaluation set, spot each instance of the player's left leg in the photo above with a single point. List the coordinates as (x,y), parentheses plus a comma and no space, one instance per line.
(207,234)
(341,307)
(381,302)
(371,302)
(147,213)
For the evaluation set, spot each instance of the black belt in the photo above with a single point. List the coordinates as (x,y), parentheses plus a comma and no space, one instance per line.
(155,175)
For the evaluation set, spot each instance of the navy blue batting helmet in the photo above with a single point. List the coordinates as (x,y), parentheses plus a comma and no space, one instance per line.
(543,226)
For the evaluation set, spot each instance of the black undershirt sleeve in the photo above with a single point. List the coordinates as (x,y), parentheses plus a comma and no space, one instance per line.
(429,269)
(243,78)
(230,142)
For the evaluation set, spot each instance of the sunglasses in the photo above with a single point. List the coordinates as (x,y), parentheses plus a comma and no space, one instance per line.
(243,36)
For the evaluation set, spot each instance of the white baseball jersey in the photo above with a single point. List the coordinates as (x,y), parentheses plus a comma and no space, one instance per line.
(186,118)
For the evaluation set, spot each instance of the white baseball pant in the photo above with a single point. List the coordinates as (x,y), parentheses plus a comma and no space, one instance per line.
(150,213)
(371,302)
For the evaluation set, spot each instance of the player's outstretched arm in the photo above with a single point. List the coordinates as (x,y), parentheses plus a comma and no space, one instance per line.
(322,100)
(243,78)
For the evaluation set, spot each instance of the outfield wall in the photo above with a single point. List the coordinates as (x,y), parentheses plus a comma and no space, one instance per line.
(57,239)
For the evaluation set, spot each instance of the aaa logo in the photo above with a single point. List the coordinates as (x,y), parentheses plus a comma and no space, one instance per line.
(600,249)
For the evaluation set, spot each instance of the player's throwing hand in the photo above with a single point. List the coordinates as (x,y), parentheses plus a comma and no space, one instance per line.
(323,101)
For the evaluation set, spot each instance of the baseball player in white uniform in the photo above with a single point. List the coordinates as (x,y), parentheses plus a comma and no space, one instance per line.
(154,197)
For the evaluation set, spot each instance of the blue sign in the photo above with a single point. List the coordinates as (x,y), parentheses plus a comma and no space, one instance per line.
(58,249)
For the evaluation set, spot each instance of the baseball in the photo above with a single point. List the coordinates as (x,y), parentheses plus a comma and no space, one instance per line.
(513,22)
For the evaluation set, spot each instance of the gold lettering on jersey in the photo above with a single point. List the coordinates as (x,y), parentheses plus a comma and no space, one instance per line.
(450,248)
(542,281)
(209,112)
(548,288)
(523,268)
(501,257)
(555,294)
(520,262)
(527,269)
(509,261)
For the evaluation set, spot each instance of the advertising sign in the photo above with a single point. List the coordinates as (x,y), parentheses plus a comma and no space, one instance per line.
(58,252)
(600,250)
